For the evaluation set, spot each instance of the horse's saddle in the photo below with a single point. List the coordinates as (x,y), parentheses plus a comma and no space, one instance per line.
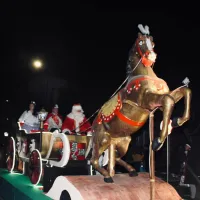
(109,109)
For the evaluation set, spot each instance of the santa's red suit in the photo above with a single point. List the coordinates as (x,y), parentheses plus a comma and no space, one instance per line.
(76,122)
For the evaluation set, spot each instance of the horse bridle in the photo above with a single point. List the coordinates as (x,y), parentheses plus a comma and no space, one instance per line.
(143,56)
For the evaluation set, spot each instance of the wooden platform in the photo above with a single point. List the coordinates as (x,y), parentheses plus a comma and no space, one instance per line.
(124,187)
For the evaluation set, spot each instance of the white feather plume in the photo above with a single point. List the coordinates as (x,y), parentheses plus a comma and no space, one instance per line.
(147,29)
(140,26)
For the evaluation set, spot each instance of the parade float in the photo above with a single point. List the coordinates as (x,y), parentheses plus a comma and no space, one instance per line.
(124,114)
(39,149)
(41,156)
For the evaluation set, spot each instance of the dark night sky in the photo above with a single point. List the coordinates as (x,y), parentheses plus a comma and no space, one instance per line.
(88,44)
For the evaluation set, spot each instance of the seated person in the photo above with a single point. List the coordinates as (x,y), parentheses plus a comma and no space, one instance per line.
(54,120)
(75,122)
(29,119)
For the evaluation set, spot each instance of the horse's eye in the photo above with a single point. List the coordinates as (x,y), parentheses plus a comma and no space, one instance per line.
(140,42)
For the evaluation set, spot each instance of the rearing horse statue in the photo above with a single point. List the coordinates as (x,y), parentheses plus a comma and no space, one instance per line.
(129,109)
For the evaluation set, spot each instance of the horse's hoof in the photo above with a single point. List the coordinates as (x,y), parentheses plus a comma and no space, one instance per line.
(175,122)
(133,173)
(108,180)
(156,144)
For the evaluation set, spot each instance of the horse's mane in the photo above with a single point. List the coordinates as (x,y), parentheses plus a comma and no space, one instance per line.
(129,66)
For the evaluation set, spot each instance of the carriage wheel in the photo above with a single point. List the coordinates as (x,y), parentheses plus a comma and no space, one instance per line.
(11,152)
(35,167)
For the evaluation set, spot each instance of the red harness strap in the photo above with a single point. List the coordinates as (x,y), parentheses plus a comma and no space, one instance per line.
(127,120)
(145,61)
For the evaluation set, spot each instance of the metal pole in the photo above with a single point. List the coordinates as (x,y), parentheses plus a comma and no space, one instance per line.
(167,159)
(151,152)
(41,130)
(152,156)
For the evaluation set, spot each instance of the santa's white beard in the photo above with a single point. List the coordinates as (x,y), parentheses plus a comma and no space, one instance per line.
(78,117)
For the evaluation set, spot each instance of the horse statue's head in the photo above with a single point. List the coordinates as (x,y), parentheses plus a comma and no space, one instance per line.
(143,49)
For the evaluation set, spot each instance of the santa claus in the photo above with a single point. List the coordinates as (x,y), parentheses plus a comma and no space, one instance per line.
(76,122)
(54,120)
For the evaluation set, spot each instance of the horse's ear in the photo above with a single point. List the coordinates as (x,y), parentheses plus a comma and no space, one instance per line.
(139,35)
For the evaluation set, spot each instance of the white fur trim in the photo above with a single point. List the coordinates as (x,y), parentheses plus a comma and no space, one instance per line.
(77,107)
(77,126)
(89,133)
(71,116)
(64,130)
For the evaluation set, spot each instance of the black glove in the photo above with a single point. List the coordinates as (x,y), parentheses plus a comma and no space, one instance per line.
(67,133)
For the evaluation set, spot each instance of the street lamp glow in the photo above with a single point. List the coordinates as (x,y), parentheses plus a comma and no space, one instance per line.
(37,64)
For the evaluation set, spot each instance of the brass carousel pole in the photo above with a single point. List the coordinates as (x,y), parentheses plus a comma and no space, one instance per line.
(168,157)
(151,156)
(41,130)
(151,152)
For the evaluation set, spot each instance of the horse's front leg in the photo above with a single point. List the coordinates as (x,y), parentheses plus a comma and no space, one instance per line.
(177,95)
(99,146)
(165,101)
